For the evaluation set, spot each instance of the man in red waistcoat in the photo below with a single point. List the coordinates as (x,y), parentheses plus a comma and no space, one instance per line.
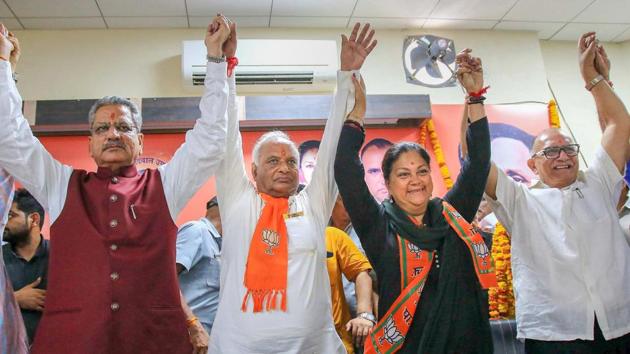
(112,286)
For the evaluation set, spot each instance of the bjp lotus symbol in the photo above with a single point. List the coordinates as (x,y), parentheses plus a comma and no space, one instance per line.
(272,239)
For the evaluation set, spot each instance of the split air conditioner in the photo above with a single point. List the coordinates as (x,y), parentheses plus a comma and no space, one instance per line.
(271,65)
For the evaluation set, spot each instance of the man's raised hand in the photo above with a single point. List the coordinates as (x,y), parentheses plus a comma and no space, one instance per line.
(16,52)
(355,49)
(217,33)
(587,51)
(6,47)
(229,46)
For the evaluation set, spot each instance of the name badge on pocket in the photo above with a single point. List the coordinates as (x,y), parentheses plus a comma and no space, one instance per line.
(293,215)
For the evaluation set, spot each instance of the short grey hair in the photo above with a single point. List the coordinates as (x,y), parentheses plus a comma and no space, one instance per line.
(275,136)
(116,101)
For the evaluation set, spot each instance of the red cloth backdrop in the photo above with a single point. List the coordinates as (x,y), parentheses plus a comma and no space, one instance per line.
(532,118)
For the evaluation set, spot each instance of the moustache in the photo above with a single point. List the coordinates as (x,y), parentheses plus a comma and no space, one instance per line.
(113,144)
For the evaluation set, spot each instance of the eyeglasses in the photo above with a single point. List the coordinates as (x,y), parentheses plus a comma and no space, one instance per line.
(121,127)
(554,151)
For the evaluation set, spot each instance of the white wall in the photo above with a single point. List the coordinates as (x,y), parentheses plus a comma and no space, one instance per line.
(146,63)
(576,103)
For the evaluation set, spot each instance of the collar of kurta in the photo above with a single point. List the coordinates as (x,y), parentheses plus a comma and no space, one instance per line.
(126,171)
(538,184)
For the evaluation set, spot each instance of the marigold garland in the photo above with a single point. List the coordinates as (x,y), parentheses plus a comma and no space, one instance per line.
(423,135)
(501,298)
(439,155)
(552,111)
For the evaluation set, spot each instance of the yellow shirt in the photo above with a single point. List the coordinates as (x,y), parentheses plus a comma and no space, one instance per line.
(342,256)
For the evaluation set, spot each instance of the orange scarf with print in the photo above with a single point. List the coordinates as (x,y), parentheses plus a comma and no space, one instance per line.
(268,258)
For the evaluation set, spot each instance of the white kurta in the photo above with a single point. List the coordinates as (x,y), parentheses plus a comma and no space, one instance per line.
(307,325)
(570,258)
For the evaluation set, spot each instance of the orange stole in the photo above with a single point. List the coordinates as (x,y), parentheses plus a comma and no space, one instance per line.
(389,334)
(268,258)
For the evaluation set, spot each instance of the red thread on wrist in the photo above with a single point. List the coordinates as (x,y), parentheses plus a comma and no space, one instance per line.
(231,64)
(479,93)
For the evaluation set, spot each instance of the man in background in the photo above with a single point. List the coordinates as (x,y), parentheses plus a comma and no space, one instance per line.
(199,264)
(26,257)
(372,157)
(343,257)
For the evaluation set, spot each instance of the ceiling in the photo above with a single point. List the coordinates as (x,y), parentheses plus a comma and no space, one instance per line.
(550,19)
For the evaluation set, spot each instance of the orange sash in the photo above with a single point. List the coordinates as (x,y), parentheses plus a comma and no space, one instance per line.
(268,258)
(389,333)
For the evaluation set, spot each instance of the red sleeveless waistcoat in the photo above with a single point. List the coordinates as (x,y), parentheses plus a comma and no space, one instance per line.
(112,283)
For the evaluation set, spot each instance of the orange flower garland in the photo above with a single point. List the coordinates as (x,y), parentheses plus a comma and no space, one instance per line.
(554,118)
(501,298)
(439,155)
(423,134)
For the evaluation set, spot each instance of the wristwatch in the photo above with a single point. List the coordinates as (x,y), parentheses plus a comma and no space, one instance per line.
(589,86)
(211,59)
(367,316)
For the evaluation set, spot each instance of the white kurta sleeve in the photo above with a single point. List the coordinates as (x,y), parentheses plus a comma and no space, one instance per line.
(605,170)
(232,179)
(201,154)
(23,156)
(322,190)
(508,192)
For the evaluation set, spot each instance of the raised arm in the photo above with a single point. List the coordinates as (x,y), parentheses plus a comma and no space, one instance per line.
(468,189)
(354,50)
(202,152)
(365,212)
(231,177)
(613,116)
(21,154)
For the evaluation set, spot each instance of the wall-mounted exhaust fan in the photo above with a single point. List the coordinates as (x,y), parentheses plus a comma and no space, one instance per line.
(429,61)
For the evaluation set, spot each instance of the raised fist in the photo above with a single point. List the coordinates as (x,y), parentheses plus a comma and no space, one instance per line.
(217,33)
(6,47)
(469,71)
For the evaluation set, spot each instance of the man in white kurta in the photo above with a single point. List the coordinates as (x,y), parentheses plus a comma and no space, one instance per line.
(570,259)
(307,325)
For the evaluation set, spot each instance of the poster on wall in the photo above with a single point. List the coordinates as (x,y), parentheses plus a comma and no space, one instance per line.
(513,128)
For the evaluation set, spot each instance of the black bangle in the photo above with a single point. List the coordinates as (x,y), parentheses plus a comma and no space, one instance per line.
(355,124)
(15,77)
(476,99)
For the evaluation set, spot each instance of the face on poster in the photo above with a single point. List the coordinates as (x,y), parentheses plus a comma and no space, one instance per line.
(509,149)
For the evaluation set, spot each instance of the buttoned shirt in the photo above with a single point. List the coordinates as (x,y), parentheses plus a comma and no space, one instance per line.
(199,252)
(570,259)
(307,325)
(23,272)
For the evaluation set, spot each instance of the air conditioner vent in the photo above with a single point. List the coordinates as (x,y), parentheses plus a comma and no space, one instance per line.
(269,65)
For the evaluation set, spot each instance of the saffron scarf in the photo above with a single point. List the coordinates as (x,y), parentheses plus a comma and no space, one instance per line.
(268,258)
(390,332)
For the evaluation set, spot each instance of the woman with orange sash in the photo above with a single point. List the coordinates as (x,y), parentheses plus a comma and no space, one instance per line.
(431,264)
